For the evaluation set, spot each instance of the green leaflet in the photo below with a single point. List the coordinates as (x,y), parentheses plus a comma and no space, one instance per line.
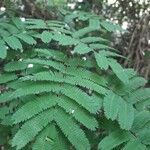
(46,36)
(143,105)
(125,115)
(11,28)
(4,33)
(130,72)
(110,26)
(7,77)
(18,23)
(26,38)
(118,70)
(117,108)
(61,30)
(134,145)
(139,95)
(73,132)
(35,24)
(3,50)
(54,64)
(114,139)
(93,40)
(15,65)
(4,111)
(55,54)
(134,83)
(94,24)
(5,97)
(64,39)
(82,32)
(83,99)
(144,135)
(82,48)
(14,43)
(96,46)
(111,105)
(141,119)
(41,24)
(102,61)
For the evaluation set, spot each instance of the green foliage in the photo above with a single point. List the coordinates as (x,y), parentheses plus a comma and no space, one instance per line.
(114,139)
(12,36)
(117,108)
(64,82)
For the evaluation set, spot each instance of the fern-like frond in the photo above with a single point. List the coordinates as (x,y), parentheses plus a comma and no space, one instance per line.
(50,138)
(31,128)
(78,112)
(62,82)
(89,103)
(57,77)
(34,107)
(72,131)
(75,71)
(43,141)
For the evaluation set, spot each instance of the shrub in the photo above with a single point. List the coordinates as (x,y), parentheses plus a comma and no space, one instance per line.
(64,89)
